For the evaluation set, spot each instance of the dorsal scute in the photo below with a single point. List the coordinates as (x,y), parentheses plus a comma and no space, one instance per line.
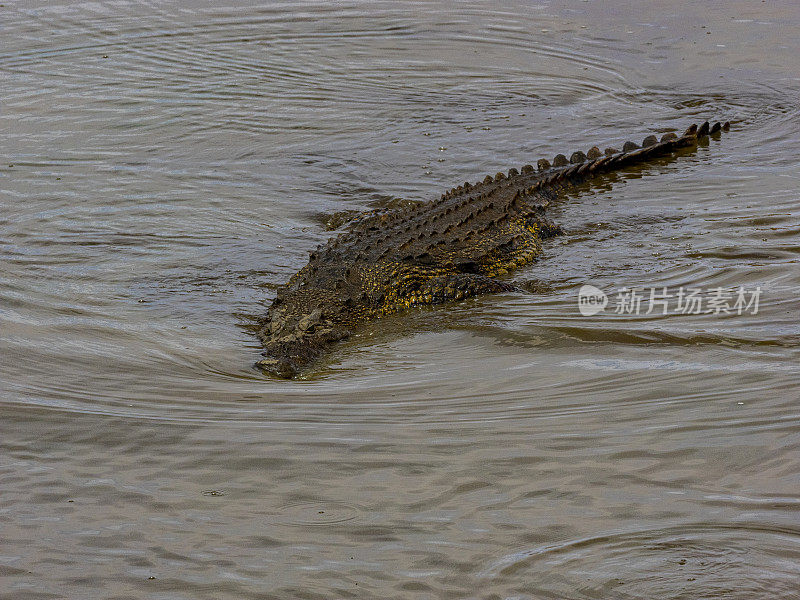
(577,157)
(650,140)
(629,146)
(559,160)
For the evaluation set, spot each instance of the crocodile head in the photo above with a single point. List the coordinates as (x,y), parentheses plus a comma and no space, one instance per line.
(302,323)
(292,342)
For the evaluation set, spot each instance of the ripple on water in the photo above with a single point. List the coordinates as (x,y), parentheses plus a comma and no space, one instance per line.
(304,514)
(701,561)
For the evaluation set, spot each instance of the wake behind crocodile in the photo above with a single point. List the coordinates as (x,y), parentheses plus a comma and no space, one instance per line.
(454,247)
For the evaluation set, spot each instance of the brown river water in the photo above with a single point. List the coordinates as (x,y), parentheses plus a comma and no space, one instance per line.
(165,165)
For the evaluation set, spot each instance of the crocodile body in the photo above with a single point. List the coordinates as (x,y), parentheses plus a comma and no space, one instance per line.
(446,249)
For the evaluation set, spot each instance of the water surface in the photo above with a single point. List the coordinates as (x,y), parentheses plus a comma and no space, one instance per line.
(165,166)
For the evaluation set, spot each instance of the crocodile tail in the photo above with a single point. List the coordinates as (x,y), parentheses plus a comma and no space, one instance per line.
(581,166)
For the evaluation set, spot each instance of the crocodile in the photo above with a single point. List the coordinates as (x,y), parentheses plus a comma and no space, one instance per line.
(453,247)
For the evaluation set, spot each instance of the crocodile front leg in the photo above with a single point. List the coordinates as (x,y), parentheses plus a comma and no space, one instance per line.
(462,285)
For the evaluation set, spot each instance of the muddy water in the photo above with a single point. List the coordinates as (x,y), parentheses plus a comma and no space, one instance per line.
(164,166)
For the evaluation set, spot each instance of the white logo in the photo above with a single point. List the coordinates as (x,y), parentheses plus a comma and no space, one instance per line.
(591,300)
